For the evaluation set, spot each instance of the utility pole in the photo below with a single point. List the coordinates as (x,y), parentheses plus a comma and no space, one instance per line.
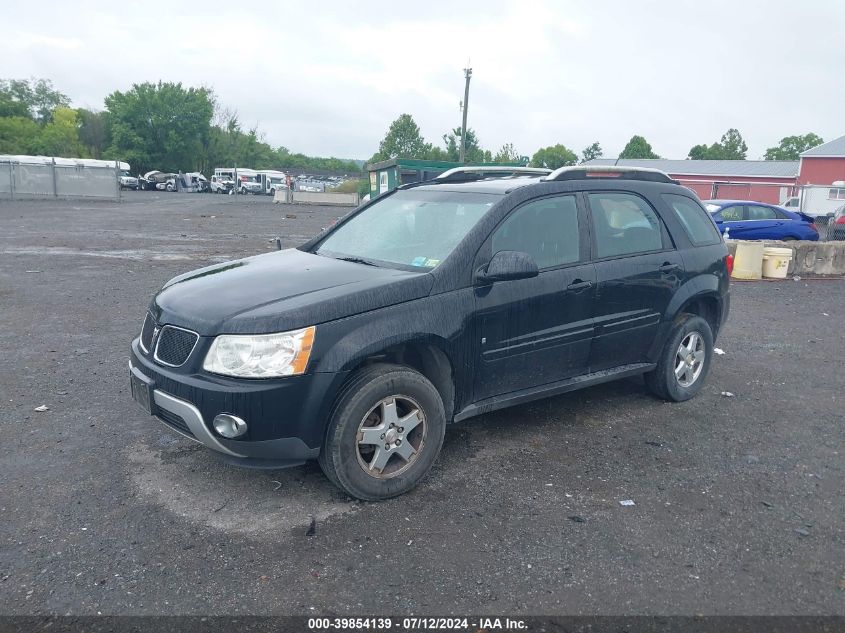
(467,74)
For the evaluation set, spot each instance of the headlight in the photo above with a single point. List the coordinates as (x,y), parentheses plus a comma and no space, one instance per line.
(260,356)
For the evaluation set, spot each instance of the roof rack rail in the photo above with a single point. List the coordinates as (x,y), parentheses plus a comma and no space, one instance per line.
(582,172)
(468,172)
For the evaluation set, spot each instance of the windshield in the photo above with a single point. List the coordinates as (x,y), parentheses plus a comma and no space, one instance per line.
(125,172)
(416,229)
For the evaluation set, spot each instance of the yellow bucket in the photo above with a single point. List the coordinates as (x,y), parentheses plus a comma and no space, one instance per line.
(776,261)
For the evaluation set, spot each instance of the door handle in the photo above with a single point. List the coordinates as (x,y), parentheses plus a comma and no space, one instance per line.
(579,284)
(668,267)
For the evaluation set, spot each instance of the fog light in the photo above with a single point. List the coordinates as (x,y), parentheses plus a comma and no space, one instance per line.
(229,425)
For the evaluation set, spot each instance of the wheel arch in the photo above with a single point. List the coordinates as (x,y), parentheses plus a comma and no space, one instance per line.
(426,354)
(707,305)
(699,296)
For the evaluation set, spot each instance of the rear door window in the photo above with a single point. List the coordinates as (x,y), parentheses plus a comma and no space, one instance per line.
(623,224)
(759,212)
(697,224)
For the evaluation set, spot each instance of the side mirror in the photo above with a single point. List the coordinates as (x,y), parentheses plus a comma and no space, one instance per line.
(508,266)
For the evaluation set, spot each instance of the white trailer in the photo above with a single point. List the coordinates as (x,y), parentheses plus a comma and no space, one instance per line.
(818,200)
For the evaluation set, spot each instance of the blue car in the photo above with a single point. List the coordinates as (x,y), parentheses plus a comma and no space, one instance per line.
(748,220)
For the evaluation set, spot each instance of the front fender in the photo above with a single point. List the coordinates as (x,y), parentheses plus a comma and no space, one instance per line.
(439,321)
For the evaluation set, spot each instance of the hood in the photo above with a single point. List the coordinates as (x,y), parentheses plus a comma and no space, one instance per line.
(280,291)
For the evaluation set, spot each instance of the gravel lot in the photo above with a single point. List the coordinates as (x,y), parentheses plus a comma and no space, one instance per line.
(740,503)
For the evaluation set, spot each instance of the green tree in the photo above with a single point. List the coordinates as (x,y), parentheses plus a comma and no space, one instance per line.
(473,151)
(94,131)
(591,152)
(790,147)
(160,126)
(285,160)
(508,154)
(731,147)
(403,140)
(36,98)
(60,137)
(18,135)
(553,157)
(638,147)
(11,105)
(700,152)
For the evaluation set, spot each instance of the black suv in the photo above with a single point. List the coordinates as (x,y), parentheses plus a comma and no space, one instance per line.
(434,303)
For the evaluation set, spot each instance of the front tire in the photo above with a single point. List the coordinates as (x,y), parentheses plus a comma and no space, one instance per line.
(385,433)
(684,360)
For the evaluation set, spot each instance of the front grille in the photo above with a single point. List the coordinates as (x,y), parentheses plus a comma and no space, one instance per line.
(174,421)
(147,332)
(174,345)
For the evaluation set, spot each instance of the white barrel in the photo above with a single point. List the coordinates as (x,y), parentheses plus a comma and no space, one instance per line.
(748,261)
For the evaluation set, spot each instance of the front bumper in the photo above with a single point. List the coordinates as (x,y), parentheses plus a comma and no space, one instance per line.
(286,417)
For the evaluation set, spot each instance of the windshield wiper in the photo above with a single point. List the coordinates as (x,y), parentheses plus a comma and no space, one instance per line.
(357,260)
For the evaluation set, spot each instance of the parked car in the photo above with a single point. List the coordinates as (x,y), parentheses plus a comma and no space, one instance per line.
(434,303)
(221,184)
(748,220)
(128,181)
(836,228)
(158,180)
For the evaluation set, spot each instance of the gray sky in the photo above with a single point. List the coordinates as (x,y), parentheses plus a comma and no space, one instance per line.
(327,78)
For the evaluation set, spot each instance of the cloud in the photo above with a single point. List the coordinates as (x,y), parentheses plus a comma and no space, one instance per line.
(329,80)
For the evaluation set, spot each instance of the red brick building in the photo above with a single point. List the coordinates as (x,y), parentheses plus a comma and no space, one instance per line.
(769,181)
(824,164)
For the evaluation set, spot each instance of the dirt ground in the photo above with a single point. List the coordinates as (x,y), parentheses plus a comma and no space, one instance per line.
(739,501)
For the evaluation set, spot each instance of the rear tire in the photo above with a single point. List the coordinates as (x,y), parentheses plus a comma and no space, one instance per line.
(684,360)
(383,406)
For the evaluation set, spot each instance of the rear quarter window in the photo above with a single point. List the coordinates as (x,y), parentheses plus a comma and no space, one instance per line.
(697,225)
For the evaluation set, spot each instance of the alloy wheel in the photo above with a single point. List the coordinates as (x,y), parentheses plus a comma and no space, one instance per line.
(391,437)
(689,359)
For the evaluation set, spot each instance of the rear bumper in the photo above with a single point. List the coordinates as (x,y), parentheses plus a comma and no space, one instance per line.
(286,418)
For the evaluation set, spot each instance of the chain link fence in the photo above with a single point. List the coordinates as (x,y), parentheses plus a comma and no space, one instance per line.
(22,179)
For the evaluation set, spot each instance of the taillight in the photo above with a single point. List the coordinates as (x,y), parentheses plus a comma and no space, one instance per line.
(814,228)
(840,220)
(729,264)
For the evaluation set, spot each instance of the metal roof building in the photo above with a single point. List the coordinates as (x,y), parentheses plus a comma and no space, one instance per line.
(718,168)
(770,181)
(823,164)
